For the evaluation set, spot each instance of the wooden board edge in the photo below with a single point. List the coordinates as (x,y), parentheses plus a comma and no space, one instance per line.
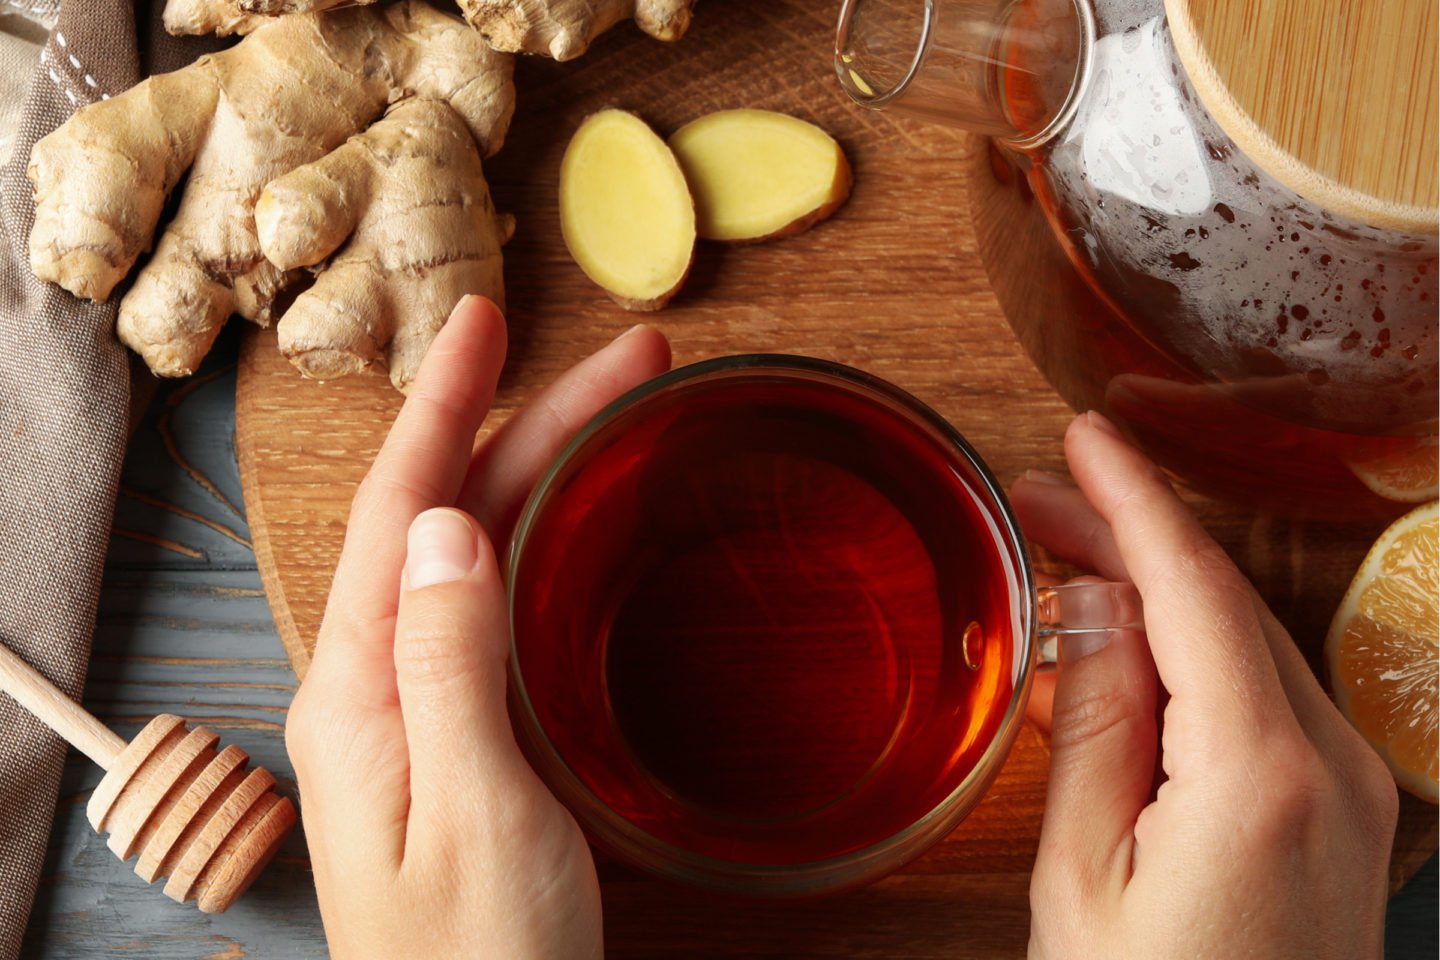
(246,456)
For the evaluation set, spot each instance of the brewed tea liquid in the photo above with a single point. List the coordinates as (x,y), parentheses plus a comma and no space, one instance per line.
(742,622)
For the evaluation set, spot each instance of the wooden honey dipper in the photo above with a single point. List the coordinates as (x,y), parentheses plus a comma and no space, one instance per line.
(193,813)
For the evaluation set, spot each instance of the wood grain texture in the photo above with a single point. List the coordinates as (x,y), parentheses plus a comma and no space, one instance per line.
(892,284)
(1337,101)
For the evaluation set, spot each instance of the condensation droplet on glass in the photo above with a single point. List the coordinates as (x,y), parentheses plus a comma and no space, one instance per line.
(972,645)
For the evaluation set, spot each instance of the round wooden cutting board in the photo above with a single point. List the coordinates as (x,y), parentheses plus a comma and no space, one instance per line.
(892,284)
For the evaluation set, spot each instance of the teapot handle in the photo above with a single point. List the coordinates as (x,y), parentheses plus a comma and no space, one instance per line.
(1004,69)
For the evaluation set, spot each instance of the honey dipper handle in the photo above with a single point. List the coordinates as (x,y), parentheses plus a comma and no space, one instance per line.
(59,712)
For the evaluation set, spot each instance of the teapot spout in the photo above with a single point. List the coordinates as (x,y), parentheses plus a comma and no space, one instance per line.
(1009,69)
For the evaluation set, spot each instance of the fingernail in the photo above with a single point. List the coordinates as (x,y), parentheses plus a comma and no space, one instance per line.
(472,301)
(628,333)
(1076,646)
(1046,477)
(441,548)
(1100,422)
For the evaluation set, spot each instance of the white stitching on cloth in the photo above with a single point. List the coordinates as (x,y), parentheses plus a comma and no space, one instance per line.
(69,85)
(39,7)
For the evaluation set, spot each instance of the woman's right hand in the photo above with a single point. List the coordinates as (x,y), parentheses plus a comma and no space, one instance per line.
(1269,835)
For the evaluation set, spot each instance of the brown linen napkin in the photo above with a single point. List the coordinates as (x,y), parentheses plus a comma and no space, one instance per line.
(65,392)
(24,26)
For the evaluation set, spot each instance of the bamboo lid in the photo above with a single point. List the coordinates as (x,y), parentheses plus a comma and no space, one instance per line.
(1336,100)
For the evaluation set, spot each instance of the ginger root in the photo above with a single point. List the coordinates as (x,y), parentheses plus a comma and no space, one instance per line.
(294,90)
(409,259)
(189,18)
(562,29)
(756,174)
(626,211)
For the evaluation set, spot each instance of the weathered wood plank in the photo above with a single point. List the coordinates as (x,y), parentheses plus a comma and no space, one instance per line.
(180,505)
(184,628)
(196,643)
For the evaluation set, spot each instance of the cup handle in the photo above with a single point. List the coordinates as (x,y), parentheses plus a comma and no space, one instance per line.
(1084,606)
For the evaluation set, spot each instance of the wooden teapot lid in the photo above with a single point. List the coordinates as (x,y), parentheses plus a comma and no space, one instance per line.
(1337,101)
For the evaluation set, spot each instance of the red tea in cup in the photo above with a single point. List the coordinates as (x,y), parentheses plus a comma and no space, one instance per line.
(765,616)
(774,626)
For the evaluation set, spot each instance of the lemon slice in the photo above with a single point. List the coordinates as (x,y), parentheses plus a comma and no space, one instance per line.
(1383,649)
(1408,475)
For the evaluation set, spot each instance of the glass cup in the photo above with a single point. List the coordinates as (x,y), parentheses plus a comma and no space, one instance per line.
(821,750)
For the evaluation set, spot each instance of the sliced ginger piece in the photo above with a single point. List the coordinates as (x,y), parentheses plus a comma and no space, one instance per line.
(625,210)
(756,174)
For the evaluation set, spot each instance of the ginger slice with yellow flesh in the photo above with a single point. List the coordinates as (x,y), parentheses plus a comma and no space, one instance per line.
(406,259)
(560,29)
(756,174)
(294,90)
(626,211)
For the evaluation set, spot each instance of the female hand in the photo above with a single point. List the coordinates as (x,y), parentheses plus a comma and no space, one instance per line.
(1270,833)
(429,833)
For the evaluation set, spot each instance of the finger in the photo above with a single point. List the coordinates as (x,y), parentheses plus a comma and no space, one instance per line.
(353,769)
(1055,514)
(451,643)
(509,464)
(345,732)
(1204,633)
(1040,708)
(1102,765)
(1322,722)
(421,465)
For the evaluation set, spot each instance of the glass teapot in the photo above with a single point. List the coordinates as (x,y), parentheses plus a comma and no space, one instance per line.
(1248,287)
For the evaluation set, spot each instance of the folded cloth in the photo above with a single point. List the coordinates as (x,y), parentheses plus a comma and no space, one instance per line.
(65,393)
(23,27)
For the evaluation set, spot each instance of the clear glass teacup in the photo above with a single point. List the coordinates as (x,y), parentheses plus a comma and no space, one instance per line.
(774,626)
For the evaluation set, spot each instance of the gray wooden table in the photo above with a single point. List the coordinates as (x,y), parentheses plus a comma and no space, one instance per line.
(184,628)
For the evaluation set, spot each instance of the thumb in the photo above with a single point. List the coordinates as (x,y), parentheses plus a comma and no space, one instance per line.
(1102,767)
(451,644)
